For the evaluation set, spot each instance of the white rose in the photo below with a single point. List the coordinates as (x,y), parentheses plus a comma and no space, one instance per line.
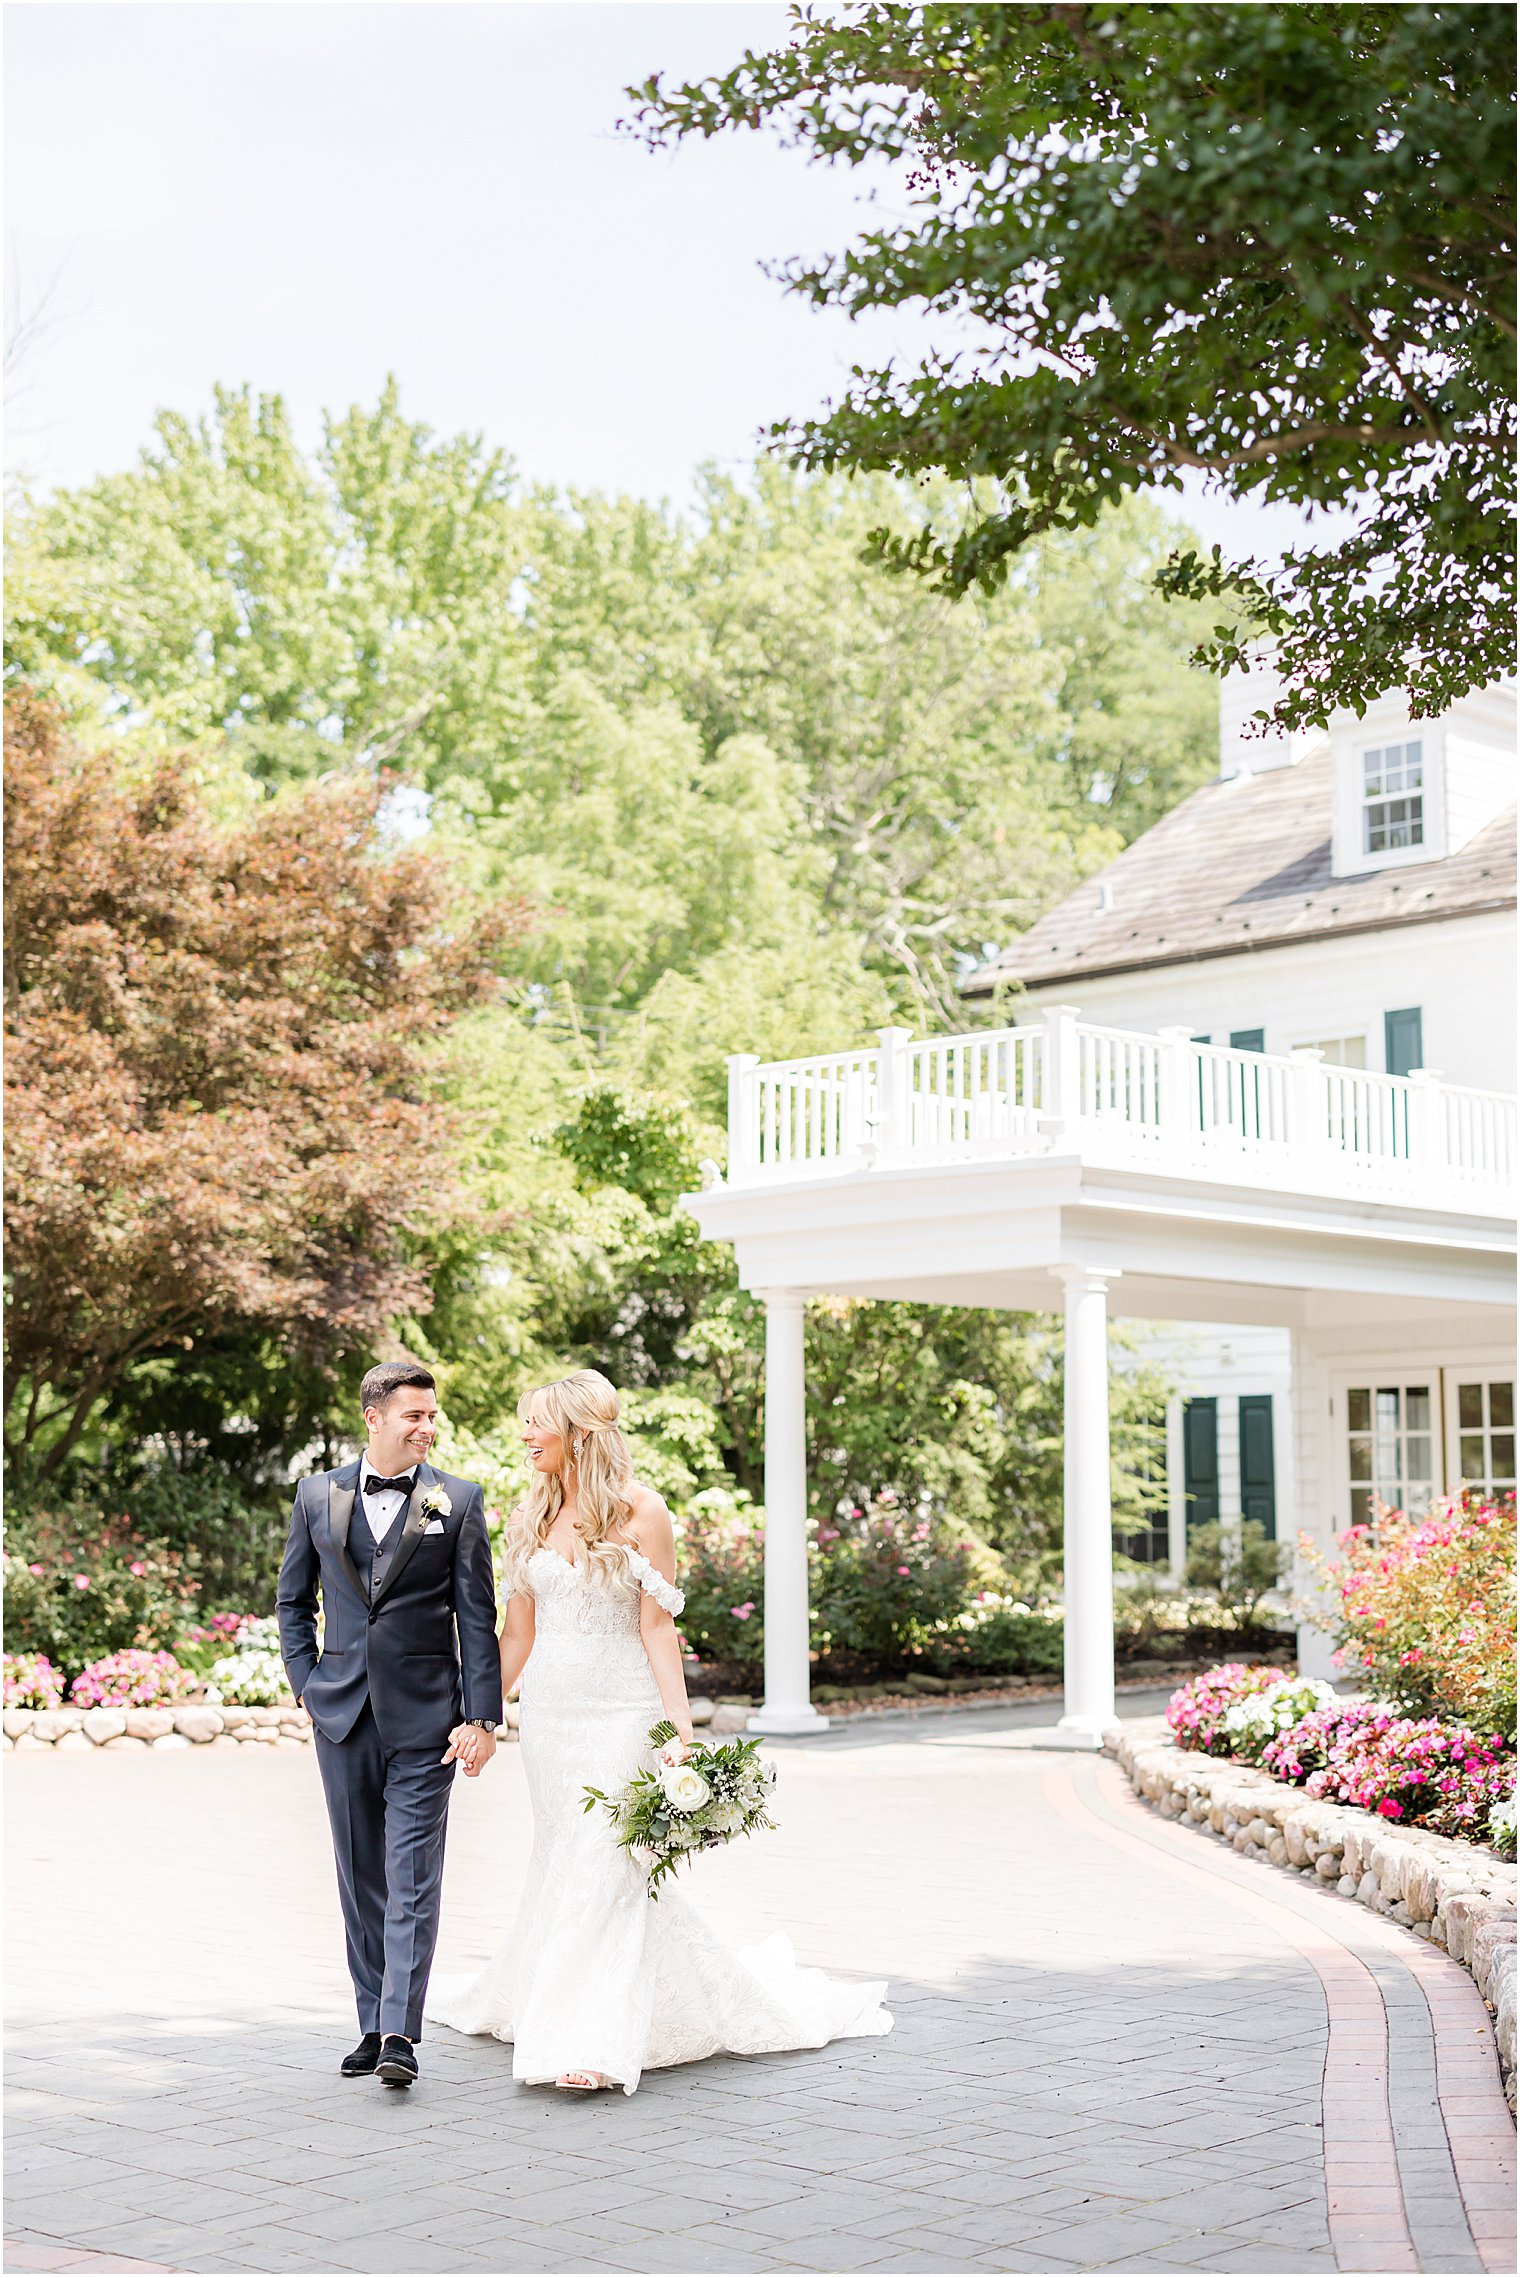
(685,1790)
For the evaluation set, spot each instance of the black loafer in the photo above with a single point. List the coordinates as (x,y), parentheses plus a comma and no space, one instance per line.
(364,2058)
(396,2063)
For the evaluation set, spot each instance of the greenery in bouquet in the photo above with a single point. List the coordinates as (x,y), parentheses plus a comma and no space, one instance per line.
(77,1588)
(31,1681)
(694,1799)
(132,1680)
(1424,1609)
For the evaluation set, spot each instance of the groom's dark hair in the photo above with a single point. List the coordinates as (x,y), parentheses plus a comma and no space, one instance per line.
(390,1376)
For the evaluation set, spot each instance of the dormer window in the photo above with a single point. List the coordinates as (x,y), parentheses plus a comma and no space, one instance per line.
(1393,798)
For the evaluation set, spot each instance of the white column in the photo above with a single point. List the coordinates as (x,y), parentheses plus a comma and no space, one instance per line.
(1089,1541)
(1176,1489)
(787,1709)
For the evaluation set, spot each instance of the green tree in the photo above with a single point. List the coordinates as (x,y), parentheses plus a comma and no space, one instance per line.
(1274,244)
(737,769)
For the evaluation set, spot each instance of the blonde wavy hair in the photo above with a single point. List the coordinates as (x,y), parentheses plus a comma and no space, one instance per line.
(583,1409)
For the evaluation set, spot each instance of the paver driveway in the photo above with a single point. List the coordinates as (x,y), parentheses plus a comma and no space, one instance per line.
(1116,2046)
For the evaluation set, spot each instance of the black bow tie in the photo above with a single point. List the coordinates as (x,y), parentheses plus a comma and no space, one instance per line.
(402,1485)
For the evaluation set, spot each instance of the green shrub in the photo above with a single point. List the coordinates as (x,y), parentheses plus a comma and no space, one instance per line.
(998,1636)
(721,1568)
(230,1537)
(78,1589)
(1237,1566)
(885,1581)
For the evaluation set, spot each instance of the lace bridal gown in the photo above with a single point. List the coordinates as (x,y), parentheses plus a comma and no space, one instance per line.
(595,1975)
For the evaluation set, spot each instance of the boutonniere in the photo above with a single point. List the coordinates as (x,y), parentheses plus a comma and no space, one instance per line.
(435,1503)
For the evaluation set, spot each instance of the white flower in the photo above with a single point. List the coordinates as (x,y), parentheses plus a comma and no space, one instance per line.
(252,1679)
(685,1790)
(435,1503)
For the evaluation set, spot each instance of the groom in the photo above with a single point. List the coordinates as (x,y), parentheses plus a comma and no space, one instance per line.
(403,1560)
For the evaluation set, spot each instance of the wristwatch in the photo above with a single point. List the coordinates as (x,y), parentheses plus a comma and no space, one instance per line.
(480,1723)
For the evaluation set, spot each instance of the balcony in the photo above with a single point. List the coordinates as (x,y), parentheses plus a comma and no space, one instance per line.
(1107,1172)
(1123,1101)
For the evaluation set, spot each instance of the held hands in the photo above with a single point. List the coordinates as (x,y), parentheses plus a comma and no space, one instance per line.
(472,1747)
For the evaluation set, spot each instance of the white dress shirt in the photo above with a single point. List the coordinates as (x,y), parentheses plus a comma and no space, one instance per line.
(382,1510)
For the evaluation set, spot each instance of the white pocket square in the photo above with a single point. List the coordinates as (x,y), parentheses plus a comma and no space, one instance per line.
(433,1526)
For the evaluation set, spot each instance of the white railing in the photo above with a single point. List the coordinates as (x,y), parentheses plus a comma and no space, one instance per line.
(1164,1102)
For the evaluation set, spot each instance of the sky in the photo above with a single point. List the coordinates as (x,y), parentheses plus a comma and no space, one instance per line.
(305,197)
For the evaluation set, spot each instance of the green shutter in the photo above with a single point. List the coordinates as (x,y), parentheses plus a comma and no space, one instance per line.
(1248,1039)
(1258,1477)
(1200,1461)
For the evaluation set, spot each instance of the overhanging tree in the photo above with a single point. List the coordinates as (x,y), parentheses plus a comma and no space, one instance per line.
(1271,243)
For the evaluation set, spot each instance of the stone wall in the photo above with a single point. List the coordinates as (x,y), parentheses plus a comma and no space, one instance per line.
(196,1725)
(1458,1896)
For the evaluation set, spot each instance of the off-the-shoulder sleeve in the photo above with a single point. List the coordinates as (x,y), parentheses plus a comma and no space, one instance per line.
(664,1593)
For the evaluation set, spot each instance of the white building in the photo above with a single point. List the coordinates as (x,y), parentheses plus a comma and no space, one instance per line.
(1351,893)
(1255,1099)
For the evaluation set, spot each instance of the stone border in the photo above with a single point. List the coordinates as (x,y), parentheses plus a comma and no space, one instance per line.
(80,1731)
(1451,1893)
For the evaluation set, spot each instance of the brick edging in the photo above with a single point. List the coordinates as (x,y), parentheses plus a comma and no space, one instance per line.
(1450,1893)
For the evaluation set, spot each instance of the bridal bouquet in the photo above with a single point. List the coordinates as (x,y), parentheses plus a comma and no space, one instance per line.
(681,1807)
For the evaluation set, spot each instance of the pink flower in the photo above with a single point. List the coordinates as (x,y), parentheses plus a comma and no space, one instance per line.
(137,1568)
(1388,1808)
(743,1612)
(904,1569)
(81,1581)
(34,1569)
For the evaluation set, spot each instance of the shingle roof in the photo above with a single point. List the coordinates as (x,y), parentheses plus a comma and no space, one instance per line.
(1244,864)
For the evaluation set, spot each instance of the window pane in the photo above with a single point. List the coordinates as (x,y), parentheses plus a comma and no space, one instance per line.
(1473,1465)
(1361,1458)
(1359,1410)
(1388,1411)
(1416,1410)
(1503,1456)
(1417,1458)
(1361,1506)
(1501,1406)
(1470,1406)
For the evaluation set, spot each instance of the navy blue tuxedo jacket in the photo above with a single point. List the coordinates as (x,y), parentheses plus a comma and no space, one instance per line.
(422,1650)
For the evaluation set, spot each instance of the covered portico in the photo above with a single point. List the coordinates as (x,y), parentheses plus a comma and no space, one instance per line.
(1099,1172)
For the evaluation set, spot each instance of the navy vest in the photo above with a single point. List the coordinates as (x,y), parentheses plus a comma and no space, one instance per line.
(372,1559)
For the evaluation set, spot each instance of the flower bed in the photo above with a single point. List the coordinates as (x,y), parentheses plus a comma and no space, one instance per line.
(132,1680)
(1417,1771)
(1457,1895)
(31,1681)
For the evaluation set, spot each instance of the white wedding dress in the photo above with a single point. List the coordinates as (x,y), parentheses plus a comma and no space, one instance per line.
(597,1976)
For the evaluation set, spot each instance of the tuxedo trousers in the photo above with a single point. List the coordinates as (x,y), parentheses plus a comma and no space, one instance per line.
(388,1808)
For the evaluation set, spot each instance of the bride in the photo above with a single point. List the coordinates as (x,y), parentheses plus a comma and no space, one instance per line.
(596,1982)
